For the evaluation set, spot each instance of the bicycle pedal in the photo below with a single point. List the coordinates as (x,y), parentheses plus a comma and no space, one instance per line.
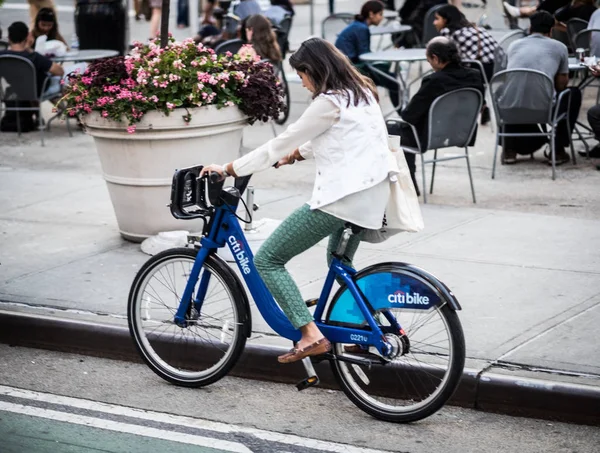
(311,302)
(308,382)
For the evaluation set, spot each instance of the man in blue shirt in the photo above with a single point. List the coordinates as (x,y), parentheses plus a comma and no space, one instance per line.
(355,40)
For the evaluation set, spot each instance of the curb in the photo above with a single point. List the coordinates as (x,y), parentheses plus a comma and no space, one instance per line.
(489,392)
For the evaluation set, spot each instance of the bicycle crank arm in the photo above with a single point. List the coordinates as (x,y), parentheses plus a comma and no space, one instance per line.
(343,358)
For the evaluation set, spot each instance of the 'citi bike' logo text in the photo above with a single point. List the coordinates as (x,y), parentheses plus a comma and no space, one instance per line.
(400,297)
(240,254)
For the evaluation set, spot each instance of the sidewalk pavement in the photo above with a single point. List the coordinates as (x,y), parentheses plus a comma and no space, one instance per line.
(524,262)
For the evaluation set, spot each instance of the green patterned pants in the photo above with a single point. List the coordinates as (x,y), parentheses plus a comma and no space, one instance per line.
(303,229)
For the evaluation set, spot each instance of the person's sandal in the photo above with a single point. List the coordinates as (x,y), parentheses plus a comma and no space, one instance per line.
(318,347)
(356,349)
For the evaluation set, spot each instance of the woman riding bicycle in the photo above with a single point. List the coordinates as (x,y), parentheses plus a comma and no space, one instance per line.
(344,131)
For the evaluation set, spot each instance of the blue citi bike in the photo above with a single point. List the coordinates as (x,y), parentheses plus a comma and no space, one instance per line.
(398,348)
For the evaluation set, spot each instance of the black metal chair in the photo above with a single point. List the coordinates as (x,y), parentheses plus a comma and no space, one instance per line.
(526,96)
(574,26)
(332,25)
(452,122)
(429,30)
(19,76)
(232,45)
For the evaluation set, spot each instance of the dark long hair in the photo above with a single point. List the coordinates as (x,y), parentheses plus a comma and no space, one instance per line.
(455,20)
(331,71)
(372,6)
(46,15)
(264,40)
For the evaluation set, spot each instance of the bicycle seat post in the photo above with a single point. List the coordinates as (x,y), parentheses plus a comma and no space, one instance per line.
(346,235)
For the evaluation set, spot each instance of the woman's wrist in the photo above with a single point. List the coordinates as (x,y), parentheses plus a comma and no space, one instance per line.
(297,154)
(228,169)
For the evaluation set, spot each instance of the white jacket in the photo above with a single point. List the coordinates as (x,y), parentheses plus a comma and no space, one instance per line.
(348,143)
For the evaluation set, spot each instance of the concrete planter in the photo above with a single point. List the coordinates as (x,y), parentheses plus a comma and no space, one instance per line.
(138,168)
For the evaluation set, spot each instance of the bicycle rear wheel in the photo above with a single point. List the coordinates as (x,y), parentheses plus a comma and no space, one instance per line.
(428,358)
(212,338)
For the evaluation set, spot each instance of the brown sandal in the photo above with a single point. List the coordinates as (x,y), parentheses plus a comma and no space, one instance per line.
(355,349)
(318,347)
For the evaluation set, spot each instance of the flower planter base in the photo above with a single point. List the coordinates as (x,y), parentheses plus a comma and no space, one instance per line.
(138,168)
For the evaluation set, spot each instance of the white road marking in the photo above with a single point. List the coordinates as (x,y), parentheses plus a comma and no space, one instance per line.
(180,420)
(124,427)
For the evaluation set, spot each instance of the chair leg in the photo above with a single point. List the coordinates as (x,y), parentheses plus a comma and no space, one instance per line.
(569,134)
(470,175)
(18,123)
(496,153)
(553,155)
(273,129)
(69,127)
(41,124)
(424,178)
(433,170)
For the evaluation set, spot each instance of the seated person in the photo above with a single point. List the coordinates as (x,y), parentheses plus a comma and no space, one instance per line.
(246,8)
(550,6)
(474,43)
(551,58)
(46,25)
(577,9)
(20,42)
(355,40)
(261,38)
(279,10)
(449,75)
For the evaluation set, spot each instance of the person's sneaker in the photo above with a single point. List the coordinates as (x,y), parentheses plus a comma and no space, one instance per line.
(511,10)
(485,116)
(509,157)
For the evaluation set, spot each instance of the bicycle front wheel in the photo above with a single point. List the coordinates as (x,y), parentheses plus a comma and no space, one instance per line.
(429,352)
(207,345)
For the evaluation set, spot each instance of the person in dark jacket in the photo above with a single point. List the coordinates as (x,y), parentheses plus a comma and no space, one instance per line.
(449,75)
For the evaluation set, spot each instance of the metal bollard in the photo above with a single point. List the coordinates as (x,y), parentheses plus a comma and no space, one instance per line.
(249,204)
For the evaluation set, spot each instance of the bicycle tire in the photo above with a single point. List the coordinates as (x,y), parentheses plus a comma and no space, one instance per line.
(442,394)
(285,114)
(230,282)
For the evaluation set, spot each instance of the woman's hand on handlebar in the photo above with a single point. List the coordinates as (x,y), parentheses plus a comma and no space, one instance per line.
(290,159)
(213,168)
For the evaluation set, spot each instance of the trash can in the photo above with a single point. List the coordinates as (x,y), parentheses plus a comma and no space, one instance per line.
(102,24)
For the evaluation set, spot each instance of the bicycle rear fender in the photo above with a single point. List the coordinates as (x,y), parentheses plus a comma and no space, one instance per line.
(399,286)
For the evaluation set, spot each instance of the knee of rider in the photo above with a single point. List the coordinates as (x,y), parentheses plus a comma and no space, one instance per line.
(263,262)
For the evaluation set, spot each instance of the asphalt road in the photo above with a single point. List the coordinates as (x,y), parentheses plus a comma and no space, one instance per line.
(118,406)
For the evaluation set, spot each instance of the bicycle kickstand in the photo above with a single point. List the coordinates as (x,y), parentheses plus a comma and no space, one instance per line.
(312,378)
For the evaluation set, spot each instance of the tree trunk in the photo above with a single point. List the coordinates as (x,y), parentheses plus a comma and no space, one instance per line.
(164,23)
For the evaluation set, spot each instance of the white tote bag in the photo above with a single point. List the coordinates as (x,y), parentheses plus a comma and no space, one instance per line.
(403,212)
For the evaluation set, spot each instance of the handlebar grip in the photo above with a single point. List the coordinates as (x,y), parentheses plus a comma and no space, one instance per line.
(214,177)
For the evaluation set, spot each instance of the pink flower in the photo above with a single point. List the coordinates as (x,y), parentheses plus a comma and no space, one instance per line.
(170,106)
(228,54)
(104,113)
(194,63)
(131,129)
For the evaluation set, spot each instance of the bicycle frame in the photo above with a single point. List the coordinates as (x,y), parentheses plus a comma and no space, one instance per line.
(226,229)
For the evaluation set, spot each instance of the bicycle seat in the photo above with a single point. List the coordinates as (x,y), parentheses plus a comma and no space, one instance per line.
(355,228)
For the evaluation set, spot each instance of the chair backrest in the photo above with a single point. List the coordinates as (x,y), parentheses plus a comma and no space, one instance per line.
(230,24)
(233,46)
(453,118)
(285,25)
(511,37)
(429,30)
(574,26)
(522,96)
(332,25)
(500,60)
(478,65)
(3,45)
(583,39)
(20,75)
